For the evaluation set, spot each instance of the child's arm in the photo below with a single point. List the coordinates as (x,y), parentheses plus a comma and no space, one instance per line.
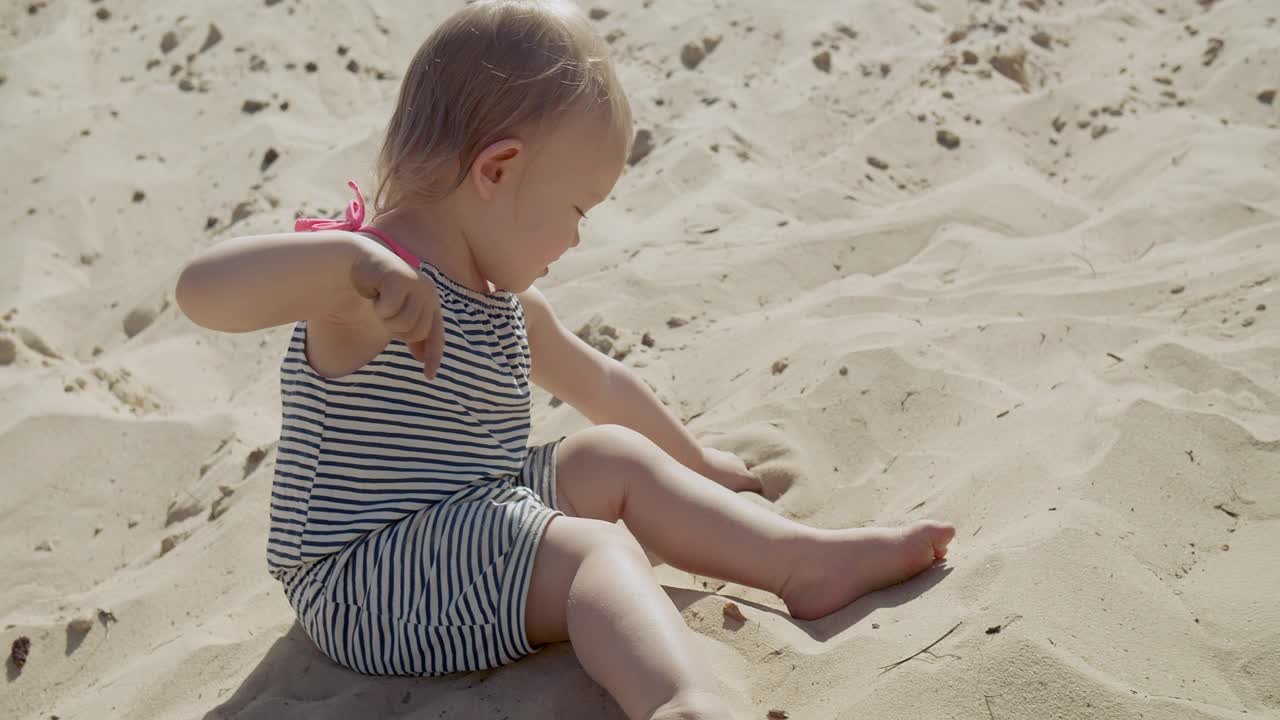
(608,392)
(356,295)
(262,281)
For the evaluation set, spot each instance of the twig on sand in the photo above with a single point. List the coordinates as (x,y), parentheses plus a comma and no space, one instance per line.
(886,668)
(989,713)
(1086,262)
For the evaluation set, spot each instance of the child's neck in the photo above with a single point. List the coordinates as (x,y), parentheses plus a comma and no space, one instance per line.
(433,235)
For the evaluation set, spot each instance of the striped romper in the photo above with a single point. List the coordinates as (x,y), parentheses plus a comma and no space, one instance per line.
(406,513)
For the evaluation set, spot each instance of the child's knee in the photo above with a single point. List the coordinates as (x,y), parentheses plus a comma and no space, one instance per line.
(616,443)
(576,539)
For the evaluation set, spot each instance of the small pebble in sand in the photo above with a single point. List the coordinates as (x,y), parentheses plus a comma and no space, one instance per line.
(1177,289)
(241,211)
(212,38)
(171,542)
(1211,51)
(269,157)
(252,106)
(311,67)
(1043,39)
(138,319)
(598,13)
(676,322)
(1248,322)
(1013,67)
(254,459)
(948,139)
(822,61)
(776,714)
(647,340)
(168,42)
(19,651)
(692,55)
(641,146)
(210,223)
(139,196)
(844,371)
(44,546)
(353,66)
(1261,308)
(103,14)
(779,366)
(733,612)
(1267,97)
(181,509)
(970,57)
(877,163)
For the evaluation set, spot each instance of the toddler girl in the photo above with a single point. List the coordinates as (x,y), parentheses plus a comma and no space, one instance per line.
(412,528)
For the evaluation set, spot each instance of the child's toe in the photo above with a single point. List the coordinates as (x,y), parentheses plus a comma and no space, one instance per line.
(940,535)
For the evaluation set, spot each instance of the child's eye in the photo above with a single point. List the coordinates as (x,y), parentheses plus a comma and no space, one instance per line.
(584,215)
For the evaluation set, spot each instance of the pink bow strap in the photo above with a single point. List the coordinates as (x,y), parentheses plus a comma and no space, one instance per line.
(355,223)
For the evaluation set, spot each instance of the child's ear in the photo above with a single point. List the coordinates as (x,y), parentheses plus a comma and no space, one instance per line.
(494,164)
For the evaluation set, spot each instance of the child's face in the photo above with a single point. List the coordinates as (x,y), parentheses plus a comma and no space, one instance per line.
(551,182)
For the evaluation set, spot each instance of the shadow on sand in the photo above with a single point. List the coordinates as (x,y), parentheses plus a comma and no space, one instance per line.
(294,680)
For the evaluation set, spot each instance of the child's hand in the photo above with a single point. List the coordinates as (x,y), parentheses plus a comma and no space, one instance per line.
(729,470)
(406,304)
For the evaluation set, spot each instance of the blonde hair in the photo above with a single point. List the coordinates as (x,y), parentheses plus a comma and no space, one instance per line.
(492,68)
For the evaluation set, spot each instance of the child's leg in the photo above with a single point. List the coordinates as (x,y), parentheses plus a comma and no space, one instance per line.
(593,585)
(610,472)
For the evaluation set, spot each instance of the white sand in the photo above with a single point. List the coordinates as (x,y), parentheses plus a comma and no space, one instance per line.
(1055,340)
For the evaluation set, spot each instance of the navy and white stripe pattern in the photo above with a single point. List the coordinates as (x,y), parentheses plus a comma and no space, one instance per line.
(406,513)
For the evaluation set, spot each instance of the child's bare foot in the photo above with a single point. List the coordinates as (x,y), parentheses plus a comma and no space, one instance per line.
(842,565)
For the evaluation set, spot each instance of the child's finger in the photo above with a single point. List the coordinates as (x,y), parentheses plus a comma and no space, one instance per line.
(419,350)
(406,321)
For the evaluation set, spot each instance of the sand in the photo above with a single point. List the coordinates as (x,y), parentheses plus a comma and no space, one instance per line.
(1009,264)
